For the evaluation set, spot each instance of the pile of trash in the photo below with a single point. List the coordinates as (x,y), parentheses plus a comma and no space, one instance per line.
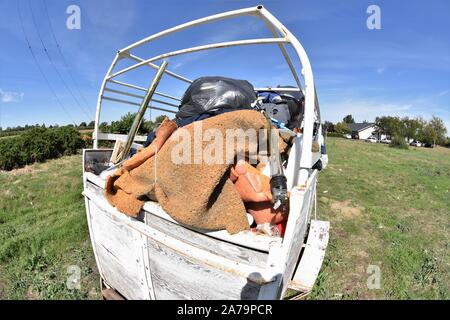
(236,193)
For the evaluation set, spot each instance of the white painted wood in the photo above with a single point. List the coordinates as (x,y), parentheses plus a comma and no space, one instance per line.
(146,265)
(95,179)
(252,273)
(231,251)
(114,137)
(118,253)
(178,276)
(311,261)
(271,291)
(245,238)
(175,269)
(300,209)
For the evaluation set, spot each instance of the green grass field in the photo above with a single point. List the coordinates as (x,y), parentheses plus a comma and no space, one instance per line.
(387,207)
(43,231)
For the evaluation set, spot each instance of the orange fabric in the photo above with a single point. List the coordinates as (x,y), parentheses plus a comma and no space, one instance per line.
(163,132)
(197,195)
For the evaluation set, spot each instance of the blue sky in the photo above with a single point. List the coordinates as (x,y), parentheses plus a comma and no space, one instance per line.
(402,69)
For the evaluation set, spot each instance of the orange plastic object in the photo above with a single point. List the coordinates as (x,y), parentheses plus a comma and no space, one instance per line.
(250,183)
(263,212)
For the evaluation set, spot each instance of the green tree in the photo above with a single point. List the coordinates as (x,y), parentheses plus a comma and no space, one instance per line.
(342,128)
(83,125)
(439,128)
(124,124)
(159,119)
(391,126)
(104,127)
(428,134)
(412,127)
(348,119)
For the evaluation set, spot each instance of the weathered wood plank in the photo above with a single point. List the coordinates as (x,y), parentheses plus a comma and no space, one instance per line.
(176,276)
(232,269)
(245,238)
(215,246)
(119,277)
(119,254)
(213,260)
(294,241)
(312,257)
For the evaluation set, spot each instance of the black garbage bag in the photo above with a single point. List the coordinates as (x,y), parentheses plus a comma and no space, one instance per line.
(211,94)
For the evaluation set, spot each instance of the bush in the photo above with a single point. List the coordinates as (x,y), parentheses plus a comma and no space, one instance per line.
(399,142)
(37,145)
(335,134)
(342,128)
(68,140)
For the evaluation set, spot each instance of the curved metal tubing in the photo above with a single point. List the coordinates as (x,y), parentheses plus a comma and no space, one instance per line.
(143,89)
(216,17)
(200,48)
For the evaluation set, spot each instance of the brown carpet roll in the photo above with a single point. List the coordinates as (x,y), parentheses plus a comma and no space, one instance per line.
(197,195)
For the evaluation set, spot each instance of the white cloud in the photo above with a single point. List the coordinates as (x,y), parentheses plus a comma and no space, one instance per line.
(381,70)
(177,65)
(10,96)
(443,93)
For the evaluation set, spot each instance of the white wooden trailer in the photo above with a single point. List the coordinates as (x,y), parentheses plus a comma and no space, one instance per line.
(155,257)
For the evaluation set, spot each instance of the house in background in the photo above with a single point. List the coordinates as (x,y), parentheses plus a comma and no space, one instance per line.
(364,130)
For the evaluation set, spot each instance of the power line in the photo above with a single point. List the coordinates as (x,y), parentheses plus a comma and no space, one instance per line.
(39,66)
(33,18)
(62,55)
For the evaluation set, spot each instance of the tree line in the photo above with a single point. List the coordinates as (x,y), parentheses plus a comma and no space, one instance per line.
(14,131)
(123,125)
(431,131)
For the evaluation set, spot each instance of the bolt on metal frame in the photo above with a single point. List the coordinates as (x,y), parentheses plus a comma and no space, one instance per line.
(281,37)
